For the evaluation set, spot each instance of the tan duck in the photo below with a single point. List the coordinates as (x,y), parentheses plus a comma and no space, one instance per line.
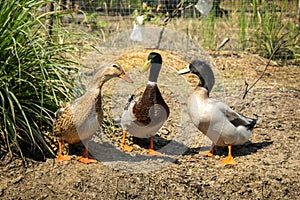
(79,120)
(144,115)
(215,119)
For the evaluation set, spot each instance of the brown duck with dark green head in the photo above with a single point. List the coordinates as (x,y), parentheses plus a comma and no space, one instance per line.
(144,115)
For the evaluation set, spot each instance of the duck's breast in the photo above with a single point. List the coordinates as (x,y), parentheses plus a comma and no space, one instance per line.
(87,119)
(199,110)
(139,129)
(207,118)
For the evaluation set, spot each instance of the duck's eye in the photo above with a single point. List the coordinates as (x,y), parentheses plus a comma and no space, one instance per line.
(116,66)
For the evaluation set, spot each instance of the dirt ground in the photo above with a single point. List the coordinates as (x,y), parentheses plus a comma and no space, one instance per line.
(268,167)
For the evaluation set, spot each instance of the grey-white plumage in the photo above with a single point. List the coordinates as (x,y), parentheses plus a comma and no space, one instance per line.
(218,121)
(222,125)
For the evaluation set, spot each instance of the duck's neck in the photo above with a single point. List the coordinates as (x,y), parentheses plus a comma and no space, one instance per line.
(154,72)
(202,92)
(202,84)
(151,83)
(101,82)
(96,86)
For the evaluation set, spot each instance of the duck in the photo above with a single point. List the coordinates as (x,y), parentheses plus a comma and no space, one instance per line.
(221,124)
(78,121)
(145,113)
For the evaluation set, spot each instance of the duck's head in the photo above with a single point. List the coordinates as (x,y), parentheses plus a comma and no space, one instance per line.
(109,72)
(154,62)
(202,69)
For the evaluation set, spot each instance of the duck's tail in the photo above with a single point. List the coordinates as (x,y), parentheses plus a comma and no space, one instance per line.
(252,123)
(59,112)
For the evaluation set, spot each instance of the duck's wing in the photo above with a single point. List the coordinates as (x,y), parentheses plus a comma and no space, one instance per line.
(130,99)
(236,118)
(63,121)
(128,116)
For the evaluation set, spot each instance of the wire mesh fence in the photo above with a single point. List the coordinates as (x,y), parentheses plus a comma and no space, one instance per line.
(258,26)
(126,7)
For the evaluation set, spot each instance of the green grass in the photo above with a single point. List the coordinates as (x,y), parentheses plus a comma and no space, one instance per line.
(260,27)
(242,24)
(209,23)
(35,74)
(275,33)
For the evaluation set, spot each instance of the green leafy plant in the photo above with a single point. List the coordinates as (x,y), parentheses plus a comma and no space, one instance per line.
(35,74)
(92,18)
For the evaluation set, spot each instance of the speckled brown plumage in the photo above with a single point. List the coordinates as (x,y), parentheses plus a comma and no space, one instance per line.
(79,120)
(64,128)
(67,125)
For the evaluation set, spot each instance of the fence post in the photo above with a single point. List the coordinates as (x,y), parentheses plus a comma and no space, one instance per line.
(49,22)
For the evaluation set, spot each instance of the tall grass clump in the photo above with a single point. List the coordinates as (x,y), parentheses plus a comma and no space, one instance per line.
(208,27)
(276,33)
(243,23)
(35,74)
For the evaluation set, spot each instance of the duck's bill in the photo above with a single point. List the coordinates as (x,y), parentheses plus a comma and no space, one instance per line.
(146,66)
(126,78)
(184,71)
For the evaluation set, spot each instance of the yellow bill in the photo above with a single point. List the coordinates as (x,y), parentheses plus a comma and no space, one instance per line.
(146,66)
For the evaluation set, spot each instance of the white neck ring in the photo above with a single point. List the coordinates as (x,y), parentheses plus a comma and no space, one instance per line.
(151,83)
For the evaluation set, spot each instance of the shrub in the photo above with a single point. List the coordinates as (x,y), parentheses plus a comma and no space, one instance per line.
(35,72)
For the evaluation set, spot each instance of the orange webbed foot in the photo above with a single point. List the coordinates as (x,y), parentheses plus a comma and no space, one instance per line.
(86,160)
(209,153)
(61,158)
(126,148)
(228,161)
(206,153)
(152,152)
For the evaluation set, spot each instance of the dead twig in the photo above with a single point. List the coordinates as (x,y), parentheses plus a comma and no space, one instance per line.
(247,89)
(168,20)
(225,41)
(179,7)
(160,37)
(175,12)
